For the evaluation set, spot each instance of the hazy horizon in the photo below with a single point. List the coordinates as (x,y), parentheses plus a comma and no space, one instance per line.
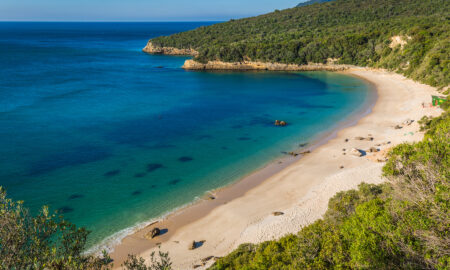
(135,10)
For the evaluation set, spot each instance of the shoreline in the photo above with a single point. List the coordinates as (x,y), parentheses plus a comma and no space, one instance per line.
(192,221)
(191,64)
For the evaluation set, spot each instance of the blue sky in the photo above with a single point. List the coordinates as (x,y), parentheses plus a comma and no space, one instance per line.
(136,10)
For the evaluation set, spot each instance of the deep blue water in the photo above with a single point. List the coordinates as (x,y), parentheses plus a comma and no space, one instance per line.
(95,128)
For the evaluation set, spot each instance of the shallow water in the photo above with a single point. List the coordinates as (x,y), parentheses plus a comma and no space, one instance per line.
(111,136)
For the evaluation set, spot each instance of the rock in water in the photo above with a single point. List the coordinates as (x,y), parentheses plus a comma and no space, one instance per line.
(280,123)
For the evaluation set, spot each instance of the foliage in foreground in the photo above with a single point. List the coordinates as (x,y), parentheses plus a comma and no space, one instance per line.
(47,241)
(402,224)
(357,32)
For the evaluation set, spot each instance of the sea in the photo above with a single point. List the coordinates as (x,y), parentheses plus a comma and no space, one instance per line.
(112,137)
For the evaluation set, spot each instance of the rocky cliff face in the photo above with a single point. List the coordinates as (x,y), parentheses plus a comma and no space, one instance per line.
(249,65)
(150,48)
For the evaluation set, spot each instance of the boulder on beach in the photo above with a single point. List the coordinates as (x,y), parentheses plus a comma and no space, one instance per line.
(153,233)
(373,150)
(206,259)
(408,122)
(277,214)
(356,152)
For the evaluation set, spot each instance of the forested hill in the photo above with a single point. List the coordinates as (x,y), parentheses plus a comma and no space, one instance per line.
(310,2)
(358,32)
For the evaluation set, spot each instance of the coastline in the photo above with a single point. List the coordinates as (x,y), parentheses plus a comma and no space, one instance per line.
(253,65)
(299,187)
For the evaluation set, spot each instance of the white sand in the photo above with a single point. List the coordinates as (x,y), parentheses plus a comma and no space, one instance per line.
(303,189)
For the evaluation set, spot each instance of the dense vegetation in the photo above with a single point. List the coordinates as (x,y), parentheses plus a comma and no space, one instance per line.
(402,224)
(310,2)
(47,241)
(357,32)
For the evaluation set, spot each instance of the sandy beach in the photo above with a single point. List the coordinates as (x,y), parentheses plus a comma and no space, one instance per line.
(299,187)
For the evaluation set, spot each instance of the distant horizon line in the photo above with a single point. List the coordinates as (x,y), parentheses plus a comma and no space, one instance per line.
(177,21)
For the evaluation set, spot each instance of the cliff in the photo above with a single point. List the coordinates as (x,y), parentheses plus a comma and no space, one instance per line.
(249,65)
(150,48)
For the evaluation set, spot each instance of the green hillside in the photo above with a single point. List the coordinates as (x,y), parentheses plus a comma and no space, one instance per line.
(310,2)
(355,32)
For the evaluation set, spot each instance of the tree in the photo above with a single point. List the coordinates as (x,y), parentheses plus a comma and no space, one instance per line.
(47,241)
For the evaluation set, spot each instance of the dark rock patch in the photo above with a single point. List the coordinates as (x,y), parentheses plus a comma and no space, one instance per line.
(161,146)
(174,182)
(70,157)
(185,159)
(136,193)
(76,196)
(244,138)
(154,166)
(111,173)
(65,210)
(204,137)
(140,175)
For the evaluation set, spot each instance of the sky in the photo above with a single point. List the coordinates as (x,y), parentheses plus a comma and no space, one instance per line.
(136,10)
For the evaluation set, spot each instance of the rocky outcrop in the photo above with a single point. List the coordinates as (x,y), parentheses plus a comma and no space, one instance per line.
(153,49)
(153,233)
(250,65)
(280,123)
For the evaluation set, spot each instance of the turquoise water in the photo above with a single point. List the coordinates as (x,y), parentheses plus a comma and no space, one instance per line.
(112,137)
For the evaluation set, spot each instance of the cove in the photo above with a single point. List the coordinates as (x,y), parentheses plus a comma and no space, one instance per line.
(112,137)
